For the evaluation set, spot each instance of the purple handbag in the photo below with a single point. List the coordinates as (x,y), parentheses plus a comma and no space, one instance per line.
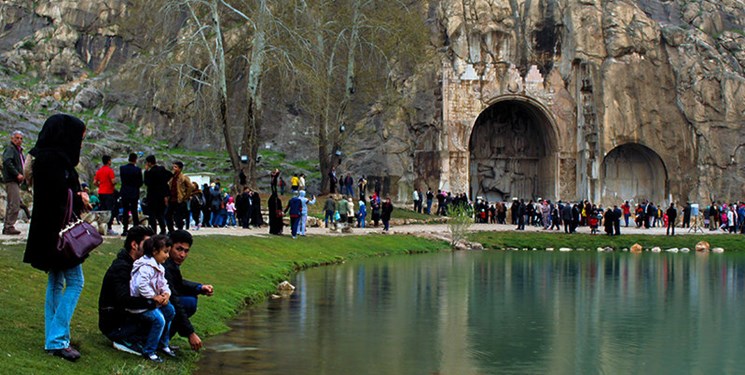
(77,238)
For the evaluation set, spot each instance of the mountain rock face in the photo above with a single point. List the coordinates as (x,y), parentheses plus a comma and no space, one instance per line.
(606,100)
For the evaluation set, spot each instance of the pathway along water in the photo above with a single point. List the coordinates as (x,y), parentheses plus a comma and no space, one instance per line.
(498,312)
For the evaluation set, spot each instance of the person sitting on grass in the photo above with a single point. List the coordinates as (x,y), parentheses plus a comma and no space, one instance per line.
(149,281)
(185,292)
(127,331)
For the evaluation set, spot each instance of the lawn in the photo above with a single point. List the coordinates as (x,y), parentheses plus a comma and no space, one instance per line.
(242,269)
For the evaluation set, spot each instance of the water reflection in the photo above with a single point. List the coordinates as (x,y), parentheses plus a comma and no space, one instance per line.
(497,312)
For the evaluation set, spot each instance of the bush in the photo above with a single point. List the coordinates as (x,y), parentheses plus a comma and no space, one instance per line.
(460,218)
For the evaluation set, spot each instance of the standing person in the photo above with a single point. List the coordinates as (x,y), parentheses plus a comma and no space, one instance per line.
(350,210)
(343,207)
(275,179)
(566,217)
(195,204)
(378,186)
(672,214)
(156,179)
(362,215)
(349,183)
(13,162)
(275,215)
(375,208)
(294,183)
(362,185)
(179,192)
(687,216)
(206,206)
(416,198)
(230,209)
(105,179)
(301,182)
(387,209)
(56,153)
(295,208)
(131,176)
(149,281)
(304,212)
(332,180)
(256,219)
(440,203)
(282,185)
(626,208)
(617,213)
(329,208)
(185,293)
(430,197)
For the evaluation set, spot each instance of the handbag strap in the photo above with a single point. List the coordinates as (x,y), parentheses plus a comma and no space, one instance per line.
(68,212)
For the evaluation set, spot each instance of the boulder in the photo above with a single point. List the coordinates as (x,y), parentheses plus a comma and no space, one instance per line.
(89,98)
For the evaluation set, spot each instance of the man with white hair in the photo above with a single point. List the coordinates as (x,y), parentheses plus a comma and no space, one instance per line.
(13,177)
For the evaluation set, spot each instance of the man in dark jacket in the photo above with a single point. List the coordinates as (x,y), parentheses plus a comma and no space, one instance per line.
(127,331)
(183,292)
(295,208)
(13,177)
(131,176)
(156,180)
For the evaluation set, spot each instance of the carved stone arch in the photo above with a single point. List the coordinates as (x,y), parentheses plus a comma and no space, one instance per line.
(513,151)
(634,172)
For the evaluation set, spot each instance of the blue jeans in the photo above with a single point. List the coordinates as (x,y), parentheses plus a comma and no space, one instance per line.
(329,216)
(361,220)
(160,320)
(231,218)
(60,305)
(303,221)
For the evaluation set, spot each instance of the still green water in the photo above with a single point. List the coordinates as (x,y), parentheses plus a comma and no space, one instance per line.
(499,313)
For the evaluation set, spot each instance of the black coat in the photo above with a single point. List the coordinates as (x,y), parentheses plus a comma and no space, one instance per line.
(131,176)
(156,179)
(387,211)
(180,287)
(12,165)
(56,154)
(114,298)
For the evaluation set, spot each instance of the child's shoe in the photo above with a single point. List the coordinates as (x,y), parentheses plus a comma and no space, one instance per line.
(168,351)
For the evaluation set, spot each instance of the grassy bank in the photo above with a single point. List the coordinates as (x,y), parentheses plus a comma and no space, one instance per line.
(500,240)
(242,269)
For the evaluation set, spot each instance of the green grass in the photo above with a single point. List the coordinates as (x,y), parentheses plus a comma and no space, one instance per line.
(501,240)
(242,269)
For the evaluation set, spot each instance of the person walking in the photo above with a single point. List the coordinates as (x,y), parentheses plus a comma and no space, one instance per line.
(131,176)
(56,154)
(156,179)
(13,163)
(105,180)
(386,214)
(295,209)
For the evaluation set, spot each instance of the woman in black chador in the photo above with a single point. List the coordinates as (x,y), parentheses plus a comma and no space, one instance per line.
(275,214)
(256,220)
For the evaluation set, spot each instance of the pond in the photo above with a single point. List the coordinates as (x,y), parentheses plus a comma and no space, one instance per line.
(492,312)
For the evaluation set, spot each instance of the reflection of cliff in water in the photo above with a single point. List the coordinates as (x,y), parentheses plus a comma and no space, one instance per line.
(507,152)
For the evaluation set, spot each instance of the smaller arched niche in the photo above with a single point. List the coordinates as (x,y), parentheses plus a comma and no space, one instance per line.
(633,172)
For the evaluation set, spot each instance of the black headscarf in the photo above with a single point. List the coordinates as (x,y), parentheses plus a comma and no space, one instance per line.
(62,136)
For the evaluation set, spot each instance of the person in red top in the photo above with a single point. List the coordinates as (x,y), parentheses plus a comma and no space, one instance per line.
(105,180)
(626,212)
